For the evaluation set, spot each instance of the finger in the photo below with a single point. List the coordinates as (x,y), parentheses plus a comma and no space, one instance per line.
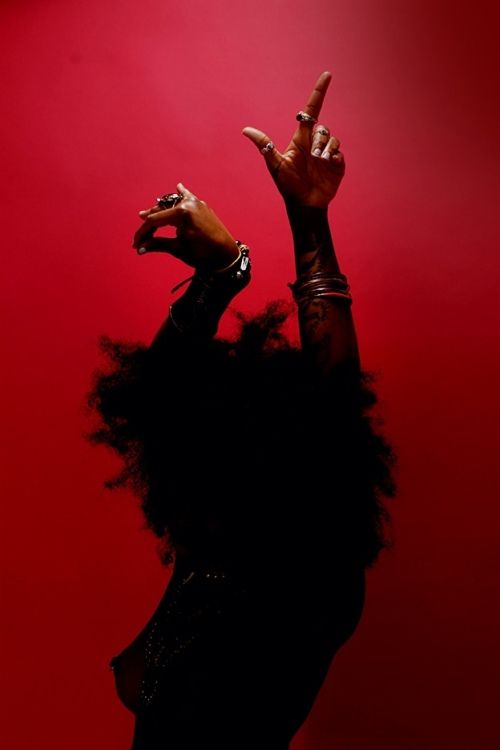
(166,201)
(336,161)
(265,145)
(159,245)
(172,217)
(315,101)
(147,211)
(185,192)
(166,217)
(145,232)
(320,139)
(331,148)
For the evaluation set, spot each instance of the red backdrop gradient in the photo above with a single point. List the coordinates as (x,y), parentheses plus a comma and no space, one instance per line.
(108,104)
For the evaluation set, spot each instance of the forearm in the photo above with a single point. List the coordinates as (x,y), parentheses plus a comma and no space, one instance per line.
(326,324)
(190,319)
(194,317)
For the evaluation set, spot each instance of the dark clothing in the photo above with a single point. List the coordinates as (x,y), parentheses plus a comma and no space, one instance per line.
(270,474)
(234,659)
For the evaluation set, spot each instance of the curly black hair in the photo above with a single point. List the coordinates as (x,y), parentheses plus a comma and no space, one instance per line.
(239,441)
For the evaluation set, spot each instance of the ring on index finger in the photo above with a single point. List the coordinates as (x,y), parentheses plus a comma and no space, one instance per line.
(304,117)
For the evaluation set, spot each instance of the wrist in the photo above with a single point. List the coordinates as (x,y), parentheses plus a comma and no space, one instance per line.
(312,238)
(223,258)
(295,208)
(233,273)
(306,221)
(199,310)
(232,259)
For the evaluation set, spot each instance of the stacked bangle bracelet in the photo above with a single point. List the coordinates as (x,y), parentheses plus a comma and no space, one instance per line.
(321,284)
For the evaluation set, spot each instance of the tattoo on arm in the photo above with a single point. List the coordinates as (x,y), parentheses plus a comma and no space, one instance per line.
(316,330)
(327,332)
(326,324)
(314,313)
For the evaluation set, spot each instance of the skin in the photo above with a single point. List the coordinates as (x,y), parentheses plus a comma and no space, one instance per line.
(202,240)
(310,170)
(307,174)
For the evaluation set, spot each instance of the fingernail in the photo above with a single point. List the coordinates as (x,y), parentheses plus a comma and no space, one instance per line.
(317,152)
(141,213)
(325,155)
(142,250)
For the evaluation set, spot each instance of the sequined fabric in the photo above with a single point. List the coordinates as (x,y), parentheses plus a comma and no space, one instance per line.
(231,662)
(195,602)
(197,597)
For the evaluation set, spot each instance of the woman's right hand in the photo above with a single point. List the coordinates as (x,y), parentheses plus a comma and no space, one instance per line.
(310,170)
(202,240)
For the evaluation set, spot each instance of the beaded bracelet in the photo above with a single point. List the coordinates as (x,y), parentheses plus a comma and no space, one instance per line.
(239,269)
(209,293)
(243,250)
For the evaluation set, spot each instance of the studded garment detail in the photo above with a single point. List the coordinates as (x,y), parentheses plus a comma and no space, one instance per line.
(227,661)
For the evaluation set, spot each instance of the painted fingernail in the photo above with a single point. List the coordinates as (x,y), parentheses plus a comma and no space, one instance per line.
(325,155)
(317,152)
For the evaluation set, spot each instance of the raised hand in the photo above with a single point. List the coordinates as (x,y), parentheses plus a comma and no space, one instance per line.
(202,240)
(310,169)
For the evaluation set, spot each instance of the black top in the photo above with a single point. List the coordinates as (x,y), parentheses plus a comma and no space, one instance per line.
(233,658)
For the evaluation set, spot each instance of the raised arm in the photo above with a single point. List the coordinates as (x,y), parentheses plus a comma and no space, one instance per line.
(221,264)
(308,174)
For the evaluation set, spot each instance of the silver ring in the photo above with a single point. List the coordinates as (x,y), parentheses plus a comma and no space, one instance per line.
(169,200)
(304,117)
(268,147)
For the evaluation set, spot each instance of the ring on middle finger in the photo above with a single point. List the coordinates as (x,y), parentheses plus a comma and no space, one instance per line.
(304,117)
(169,200)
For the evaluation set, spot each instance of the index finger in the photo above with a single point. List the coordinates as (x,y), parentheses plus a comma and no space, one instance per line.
(315,101)
(168,217)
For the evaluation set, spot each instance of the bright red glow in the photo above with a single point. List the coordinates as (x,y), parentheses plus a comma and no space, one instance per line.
(106,106)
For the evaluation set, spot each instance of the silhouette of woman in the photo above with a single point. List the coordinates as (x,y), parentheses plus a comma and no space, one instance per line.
(258,466)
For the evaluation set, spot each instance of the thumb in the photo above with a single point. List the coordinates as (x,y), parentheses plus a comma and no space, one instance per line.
(184,191)
(159,245)
(265,145)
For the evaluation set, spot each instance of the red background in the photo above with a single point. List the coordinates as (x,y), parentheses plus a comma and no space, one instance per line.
(107,105)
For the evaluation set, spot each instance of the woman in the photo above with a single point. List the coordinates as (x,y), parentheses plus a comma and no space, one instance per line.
(258,467)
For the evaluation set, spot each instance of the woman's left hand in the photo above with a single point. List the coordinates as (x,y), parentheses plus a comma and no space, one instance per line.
(311,168)
(202,240)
